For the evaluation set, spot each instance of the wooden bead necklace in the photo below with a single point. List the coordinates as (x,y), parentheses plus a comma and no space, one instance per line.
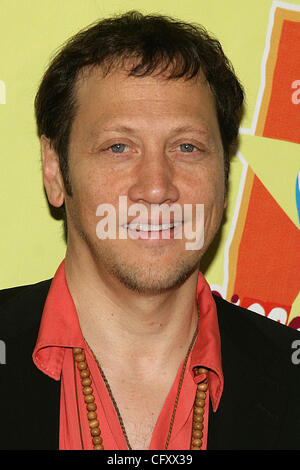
(91,407)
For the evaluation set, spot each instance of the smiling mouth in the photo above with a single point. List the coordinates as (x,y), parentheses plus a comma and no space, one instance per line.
(151,232)
(150,227)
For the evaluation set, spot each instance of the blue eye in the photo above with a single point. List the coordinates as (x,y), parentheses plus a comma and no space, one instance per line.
(118,148)
(187,148)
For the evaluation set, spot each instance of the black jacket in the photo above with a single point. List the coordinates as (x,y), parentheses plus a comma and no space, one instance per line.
(259,408)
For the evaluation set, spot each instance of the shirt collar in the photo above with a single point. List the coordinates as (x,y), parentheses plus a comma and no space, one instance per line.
(60,329)
(207,350)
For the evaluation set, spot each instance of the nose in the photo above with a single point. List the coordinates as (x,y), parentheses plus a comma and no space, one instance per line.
(154,179)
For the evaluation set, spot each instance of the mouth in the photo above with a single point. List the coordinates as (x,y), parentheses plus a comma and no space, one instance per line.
(150,227)
(152,231)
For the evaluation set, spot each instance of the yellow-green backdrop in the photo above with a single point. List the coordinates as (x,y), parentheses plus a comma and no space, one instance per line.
(32,243)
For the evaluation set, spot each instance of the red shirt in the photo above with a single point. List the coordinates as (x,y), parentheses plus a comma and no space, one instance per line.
(60,332)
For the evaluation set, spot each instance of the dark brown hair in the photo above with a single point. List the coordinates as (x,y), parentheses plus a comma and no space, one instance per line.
(159,44)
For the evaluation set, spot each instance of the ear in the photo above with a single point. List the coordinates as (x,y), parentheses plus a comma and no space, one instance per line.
(52,177)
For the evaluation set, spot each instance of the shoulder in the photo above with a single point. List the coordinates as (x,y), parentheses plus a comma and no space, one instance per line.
(21,307)
(17,293)
(251,322)
(260,400)
(266,341)
(21,311)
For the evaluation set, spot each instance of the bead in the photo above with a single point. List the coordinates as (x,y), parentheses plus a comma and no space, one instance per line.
(89,398)
(199,403)
(94,423)
(198,418)
(91,415)
(197,442)
(198,411)
(98,447)
(202,387)
(79,357)
(85,373)
(81,365)
(86,382)
(77,350)
(91,406)
(197,434)
(97,440)
(87,390)
(95,432)
(198,426)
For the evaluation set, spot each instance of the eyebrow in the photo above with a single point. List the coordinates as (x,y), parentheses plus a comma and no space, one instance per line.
(203,130)
(198,130)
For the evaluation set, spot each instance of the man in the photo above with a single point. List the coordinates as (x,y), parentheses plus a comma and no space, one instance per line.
(126,348)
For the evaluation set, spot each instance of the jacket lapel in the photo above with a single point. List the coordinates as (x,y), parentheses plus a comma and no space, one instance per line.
(250,414)
(254,398)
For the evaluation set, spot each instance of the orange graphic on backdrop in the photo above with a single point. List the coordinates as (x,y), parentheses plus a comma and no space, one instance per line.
(264,255)
(265,249)
(279,115)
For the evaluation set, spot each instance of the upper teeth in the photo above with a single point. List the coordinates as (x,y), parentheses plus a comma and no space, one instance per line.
(153,228)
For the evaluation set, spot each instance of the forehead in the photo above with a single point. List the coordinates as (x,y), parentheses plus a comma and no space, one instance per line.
(150,100)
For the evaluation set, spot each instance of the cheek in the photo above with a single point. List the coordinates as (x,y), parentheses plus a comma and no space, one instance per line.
(89,194)
(216,196)
(209,187)
(211,193)
(93,188)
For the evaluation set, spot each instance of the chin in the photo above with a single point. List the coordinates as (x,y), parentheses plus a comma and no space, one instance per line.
(150,279)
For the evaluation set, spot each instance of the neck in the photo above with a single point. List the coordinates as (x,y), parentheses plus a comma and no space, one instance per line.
(140,329)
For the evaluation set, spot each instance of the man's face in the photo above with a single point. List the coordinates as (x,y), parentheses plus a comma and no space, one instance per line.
(156,142)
